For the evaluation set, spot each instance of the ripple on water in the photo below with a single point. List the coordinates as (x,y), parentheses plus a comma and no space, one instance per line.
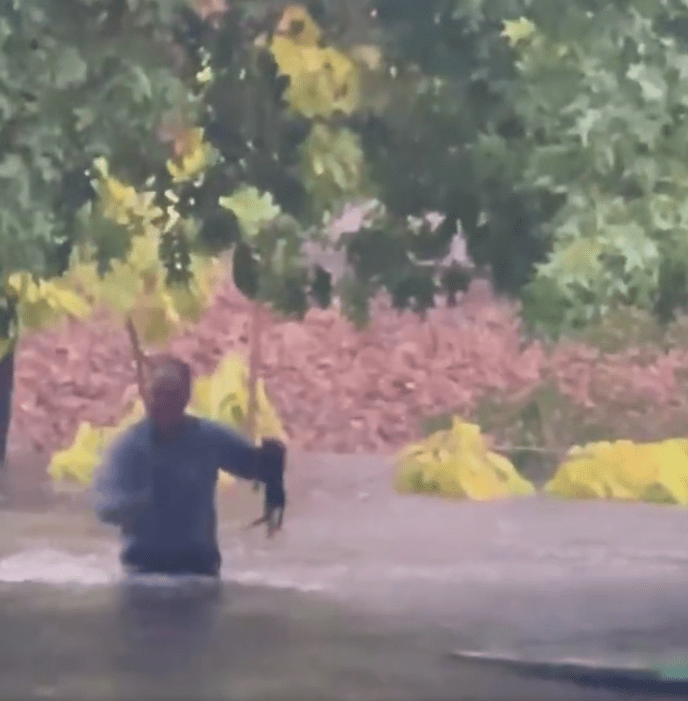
(51,566)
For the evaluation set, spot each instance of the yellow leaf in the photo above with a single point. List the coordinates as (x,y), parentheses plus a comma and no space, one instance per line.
(16,282)
(144,252)
(251,208)
(101,167)
(224,397)
(192,156)
(370,55)
(201,401)
(519,30)
(205,76)
(188,302)
(322,80)
(35,314)
(207,274)
(120,298)
(297,24)
(79,462)
(152,322)
(66,301)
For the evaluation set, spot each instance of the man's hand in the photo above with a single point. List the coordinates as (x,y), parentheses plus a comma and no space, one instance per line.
(271,460)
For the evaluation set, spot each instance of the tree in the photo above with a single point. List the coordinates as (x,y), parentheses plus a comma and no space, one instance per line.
(79,79)
(445,137)
(608,136)
(289,110)
(551,136)
(555,133)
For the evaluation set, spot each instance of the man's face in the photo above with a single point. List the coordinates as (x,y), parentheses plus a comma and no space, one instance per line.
(166,399)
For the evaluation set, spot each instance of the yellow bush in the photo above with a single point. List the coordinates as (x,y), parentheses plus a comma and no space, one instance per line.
(457,463)
(623,470)
(78,462)
(222,397)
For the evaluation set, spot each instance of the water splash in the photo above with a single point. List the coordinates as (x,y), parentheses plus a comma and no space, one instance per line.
(59,567)
(49,566)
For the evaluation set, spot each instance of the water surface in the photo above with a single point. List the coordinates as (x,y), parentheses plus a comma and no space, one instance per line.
(363,597)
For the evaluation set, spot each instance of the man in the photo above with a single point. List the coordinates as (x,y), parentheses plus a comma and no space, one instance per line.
(158,481)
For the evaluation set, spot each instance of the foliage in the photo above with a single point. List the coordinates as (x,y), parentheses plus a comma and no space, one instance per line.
(263,101)
(79,462)
(553,136)
(655,472)
(282,106)
(80,79)
(624,327)
(443,136)
(251,208)
(610,93)
(322,81)
(143,284)
(333,164)
(222,396)
(458,463)
(34,303)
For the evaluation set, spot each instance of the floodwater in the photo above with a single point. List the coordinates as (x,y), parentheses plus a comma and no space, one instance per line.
(363,597)
(151,640)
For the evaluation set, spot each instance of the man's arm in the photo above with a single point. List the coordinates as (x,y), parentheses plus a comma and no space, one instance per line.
(236,454)
(116,498)
(241,458)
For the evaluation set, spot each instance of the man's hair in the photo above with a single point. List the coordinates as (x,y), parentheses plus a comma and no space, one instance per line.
(167,366)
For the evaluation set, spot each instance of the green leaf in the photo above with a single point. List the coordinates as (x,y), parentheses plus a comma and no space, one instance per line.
(11,166)
(251,208)
(651,81)
(70,68)
(333,164)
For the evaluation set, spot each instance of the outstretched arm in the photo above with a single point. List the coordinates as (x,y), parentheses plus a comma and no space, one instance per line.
(241,458)
(265,464)
(237,455)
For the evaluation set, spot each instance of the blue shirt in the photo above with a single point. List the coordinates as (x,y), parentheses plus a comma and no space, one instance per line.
(162,493)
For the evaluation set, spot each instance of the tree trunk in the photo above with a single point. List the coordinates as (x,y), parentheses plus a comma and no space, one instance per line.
(6,387)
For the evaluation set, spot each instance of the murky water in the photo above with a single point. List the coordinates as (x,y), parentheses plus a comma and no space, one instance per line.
(74,628)
(196,641)
(359,599)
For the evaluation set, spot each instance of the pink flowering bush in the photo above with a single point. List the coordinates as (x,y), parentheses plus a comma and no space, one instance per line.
(347,390)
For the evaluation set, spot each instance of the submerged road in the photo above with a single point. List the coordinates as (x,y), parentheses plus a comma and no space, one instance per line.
(365,595)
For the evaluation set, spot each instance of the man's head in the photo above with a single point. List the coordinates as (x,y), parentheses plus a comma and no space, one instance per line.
(167,391)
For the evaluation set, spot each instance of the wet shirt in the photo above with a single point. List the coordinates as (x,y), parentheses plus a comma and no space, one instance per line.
(162,493)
